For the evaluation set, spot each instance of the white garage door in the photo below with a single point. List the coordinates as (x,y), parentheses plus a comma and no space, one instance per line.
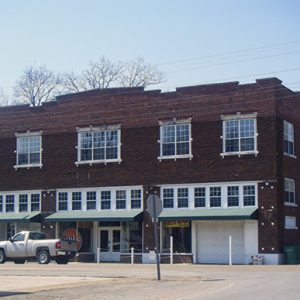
(213,242)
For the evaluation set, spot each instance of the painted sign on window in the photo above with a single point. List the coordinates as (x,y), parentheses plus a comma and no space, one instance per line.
(71,234)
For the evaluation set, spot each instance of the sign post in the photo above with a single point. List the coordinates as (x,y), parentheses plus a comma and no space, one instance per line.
(154,205)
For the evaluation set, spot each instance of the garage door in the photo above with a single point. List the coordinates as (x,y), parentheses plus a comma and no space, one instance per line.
(213,242)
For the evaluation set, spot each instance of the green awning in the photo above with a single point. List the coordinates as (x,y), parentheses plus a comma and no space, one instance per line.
(209,214)
(84,216)
(20,217)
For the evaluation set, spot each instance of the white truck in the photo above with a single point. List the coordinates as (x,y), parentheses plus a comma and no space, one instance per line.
(28,245)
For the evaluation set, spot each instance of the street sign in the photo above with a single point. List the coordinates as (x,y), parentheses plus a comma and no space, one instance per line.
(154,205)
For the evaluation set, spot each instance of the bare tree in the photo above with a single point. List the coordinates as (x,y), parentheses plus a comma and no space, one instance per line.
(37,85)
(139,73)
(99,74)
(104,73)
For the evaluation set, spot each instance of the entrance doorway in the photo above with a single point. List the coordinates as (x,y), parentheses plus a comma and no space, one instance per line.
(110,243)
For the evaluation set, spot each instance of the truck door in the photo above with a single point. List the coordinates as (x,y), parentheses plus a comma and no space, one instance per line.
(17,246)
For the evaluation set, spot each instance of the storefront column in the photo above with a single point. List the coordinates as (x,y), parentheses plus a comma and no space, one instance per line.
(194,241)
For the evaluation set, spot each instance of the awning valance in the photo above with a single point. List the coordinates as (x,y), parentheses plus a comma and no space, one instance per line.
(20,217)
(84,216)
(209,214)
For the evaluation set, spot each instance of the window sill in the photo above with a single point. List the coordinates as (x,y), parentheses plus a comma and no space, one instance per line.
(291,228)
(92,162)
(290,155)
(290,204)
(28,166)
(239,153)
(175,157)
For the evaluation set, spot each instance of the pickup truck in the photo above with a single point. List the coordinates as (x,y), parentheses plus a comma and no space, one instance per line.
(28,245)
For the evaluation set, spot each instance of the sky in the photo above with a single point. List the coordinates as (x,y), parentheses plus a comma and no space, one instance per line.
(192,41)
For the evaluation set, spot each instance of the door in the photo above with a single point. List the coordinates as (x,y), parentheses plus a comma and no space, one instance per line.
(213,242)
(110,239)
(17,246)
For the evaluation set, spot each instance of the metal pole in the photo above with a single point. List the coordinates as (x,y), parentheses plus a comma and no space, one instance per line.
(132,255)
(98,255)
(156,239)
(171,250)
(230,250)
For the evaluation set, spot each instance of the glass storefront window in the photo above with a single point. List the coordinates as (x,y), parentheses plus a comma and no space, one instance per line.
(181,232)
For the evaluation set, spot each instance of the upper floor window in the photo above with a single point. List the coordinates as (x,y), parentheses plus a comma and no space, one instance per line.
(29,150)
(289,191)
(62,201)
(239,134)
(99,145)
(175,139)
(136,198)
(76,201)
(1,203)
(288,137)
(23,202)
(10,203)
(35,202)
(91,200)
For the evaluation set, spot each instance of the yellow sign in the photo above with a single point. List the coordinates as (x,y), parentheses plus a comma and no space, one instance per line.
(177,224)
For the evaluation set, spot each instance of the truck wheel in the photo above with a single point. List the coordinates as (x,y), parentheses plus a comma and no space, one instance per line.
(2,257)
(62,260)
(43,257)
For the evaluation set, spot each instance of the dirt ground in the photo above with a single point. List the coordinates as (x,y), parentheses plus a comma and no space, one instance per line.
(121,281)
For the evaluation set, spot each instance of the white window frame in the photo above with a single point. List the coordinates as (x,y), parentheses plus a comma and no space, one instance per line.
(98,190)
(92,129)
(29,135)
(289,136)
(238,117)
(175,123)
(290,222)
(224,195)
(291,184)
(16,195)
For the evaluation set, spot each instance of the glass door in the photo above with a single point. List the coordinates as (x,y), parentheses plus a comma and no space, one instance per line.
(110,239)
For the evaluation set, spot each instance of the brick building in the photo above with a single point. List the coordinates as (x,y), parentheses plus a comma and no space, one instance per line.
(222,157)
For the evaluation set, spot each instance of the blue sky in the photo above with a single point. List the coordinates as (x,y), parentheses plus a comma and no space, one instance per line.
(184,38)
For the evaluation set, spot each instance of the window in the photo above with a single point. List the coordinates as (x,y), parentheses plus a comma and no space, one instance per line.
(35,202)
(232,196)
(182,197)
(249,195)
(20,237)
(37,236)
(288,137)
(105,200)
(121,199)
(76,201)
(1,203)
(29,150)
(289,191)
(215,196)
(91,200)
(199,194)
(168,198)
(290,223)
(136,198)
(239,136)
(23,203)
(10,203)
(175,140)
(98,146)
(63,201)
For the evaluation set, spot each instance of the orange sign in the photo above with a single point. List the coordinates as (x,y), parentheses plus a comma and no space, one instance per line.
(177,224)
(71,234)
